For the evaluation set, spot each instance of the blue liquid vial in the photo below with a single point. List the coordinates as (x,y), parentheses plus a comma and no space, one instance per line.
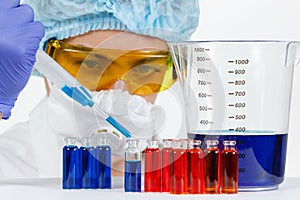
(103,163)
(72,178)
(88,160)
(261,157)
(132,176)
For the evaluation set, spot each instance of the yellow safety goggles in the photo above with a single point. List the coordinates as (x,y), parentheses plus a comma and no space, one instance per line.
(144,72)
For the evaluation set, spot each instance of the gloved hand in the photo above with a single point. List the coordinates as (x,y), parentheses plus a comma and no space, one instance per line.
(20,37)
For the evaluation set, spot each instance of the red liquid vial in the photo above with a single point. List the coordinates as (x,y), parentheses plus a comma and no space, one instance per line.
(152,153)
(179,168)
(166,165)
(229,170)
(212,167)
(195,167)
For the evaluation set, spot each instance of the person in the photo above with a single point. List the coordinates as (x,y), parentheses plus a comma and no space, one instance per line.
(20,37)
(118,50)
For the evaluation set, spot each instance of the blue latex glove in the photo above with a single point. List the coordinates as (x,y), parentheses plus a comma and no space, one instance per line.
(19,40)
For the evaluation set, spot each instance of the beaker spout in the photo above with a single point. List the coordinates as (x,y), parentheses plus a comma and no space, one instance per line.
(293,54)
(297,60)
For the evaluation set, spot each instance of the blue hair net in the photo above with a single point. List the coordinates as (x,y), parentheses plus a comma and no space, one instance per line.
(170,20)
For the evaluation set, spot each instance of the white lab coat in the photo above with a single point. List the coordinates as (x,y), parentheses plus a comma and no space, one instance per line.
(33,149)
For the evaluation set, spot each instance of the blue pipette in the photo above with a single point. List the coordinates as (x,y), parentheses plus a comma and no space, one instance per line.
(71,87)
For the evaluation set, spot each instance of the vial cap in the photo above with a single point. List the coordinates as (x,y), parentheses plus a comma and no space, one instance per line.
(212,142)
(196,142)
(185,143)
(87,142)
(229,142)
(153,143)
(70,141)
(176,144)
(132,142)
(103,141)
(167,142)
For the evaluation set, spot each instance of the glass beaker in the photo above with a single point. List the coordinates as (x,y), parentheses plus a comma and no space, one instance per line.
(240,90)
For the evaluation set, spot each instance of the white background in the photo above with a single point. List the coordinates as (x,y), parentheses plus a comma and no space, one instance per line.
(219,19)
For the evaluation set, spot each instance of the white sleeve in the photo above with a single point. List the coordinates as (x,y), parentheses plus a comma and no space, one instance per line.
(16,156)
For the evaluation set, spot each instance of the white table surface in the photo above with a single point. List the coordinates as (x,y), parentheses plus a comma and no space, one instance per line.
(50,189)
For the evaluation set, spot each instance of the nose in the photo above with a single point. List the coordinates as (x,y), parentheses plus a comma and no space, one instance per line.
(120,84)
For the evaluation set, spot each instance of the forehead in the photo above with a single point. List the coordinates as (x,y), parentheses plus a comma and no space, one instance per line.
(118,40)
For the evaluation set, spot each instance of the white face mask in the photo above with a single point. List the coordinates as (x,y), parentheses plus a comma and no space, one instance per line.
(70,119)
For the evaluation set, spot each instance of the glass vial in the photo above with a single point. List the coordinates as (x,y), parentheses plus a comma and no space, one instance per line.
(195,167)
(152,153)
(72,175)
(212,167)
(229,170)
(89,176)
(103,163)
(166,164)
(132,177)
(179,167)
